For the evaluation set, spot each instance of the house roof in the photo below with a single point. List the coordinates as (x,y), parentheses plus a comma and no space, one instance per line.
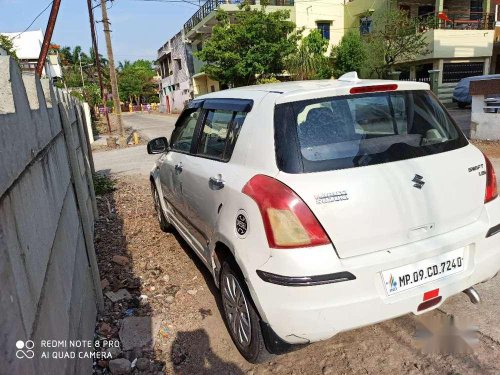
(28,44)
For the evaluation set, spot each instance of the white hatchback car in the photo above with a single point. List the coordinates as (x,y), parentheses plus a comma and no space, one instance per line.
(324,206)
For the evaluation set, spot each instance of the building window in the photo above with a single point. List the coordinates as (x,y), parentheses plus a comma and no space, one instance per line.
(425,11)
(476,9)
(324,29)
(454,72)
(164,68)
(179,64)
(365,25)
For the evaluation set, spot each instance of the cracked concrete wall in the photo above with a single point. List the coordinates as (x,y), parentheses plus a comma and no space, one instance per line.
(46,290)
(484,125)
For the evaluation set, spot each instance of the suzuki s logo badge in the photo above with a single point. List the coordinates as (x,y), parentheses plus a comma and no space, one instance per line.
(418,181)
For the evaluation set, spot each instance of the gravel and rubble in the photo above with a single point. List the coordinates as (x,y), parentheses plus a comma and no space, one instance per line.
(172,324)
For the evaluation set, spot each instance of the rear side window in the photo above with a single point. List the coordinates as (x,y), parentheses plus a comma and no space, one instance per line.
(219,133)
(359,130)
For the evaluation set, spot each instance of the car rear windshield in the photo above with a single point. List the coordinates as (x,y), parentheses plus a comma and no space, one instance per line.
(359,130)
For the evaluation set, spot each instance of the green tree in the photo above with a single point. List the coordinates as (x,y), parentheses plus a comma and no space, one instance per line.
(135,81)
(350,54)
(72,58)
(396,38)
(255,44)
(309,60)
(7,44)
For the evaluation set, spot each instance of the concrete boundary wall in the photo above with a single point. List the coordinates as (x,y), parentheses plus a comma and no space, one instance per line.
(48,272)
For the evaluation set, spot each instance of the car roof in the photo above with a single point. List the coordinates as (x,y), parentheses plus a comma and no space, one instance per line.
(295,90)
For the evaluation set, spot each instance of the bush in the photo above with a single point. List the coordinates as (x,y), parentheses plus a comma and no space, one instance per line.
(266,80)
(350,55)
(309,60)
(103,184)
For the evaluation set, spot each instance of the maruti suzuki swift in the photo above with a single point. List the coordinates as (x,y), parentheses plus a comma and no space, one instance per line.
(324,206)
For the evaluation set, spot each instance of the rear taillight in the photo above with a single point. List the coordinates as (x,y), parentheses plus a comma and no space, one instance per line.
(288,221)
(491,182)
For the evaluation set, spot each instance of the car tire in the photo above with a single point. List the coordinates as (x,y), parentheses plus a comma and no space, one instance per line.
(241,317)
(162,220)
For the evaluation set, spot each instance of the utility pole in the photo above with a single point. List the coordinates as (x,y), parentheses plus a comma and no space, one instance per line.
(81,70)
(98,61)
(112,71)
(47,37)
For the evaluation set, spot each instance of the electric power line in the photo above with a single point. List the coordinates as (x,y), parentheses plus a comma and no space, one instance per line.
(32,22)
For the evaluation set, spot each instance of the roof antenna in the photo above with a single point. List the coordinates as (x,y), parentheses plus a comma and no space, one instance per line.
(349,77)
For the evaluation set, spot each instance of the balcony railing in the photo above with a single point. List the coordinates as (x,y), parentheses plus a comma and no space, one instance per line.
(212,5)
(462,21)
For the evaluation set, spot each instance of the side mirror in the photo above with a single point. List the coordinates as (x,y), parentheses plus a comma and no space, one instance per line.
(157,145)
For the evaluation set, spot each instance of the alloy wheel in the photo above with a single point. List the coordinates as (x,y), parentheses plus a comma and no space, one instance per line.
(236,309)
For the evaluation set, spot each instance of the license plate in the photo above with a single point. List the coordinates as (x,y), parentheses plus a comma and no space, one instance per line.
(412,275)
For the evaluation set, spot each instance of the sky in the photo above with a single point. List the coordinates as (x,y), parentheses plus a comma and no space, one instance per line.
(138,27)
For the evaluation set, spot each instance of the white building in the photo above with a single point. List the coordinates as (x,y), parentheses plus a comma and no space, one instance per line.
(182,73)
(28,46)
(175,63)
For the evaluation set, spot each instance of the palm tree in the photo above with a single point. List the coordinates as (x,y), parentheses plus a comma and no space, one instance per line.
(123,65)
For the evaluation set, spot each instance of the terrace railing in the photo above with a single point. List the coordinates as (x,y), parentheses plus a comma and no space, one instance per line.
(452,20)
(211,5)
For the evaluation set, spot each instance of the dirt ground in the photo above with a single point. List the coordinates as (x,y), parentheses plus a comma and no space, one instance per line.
(490,148)
(169,285)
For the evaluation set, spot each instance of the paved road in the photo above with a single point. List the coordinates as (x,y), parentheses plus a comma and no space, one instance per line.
(135,160)
(150,125)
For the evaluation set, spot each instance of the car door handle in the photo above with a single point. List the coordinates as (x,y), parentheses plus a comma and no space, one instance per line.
(178,168)
(216,183)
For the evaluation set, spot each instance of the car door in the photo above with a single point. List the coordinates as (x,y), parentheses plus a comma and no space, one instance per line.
(172,163)
(208,169)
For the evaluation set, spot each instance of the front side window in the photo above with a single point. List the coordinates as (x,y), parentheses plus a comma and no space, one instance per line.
(360,130)
(219,134)
(182,136)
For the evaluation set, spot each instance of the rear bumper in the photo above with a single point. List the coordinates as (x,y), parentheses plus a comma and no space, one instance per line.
(303,314)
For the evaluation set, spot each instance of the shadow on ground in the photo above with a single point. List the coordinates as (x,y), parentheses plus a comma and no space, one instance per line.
(137,266)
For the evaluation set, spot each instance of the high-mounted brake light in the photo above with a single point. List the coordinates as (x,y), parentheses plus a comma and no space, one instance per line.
(491,182)
(374,88)
(288,221)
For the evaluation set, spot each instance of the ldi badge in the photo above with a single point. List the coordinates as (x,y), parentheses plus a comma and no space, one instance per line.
(477,168)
